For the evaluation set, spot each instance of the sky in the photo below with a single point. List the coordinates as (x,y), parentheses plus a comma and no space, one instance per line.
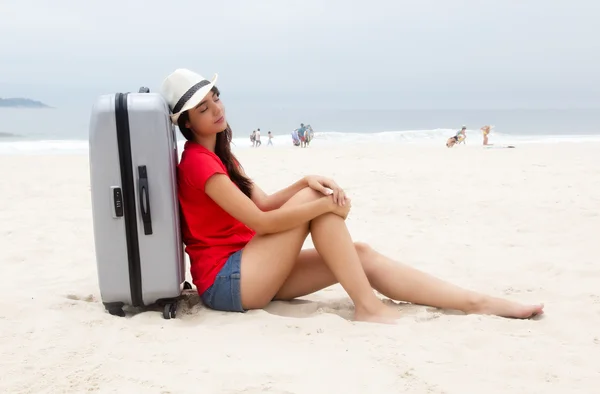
(310,53)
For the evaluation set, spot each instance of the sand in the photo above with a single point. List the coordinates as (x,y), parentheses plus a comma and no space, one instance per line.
(521,223)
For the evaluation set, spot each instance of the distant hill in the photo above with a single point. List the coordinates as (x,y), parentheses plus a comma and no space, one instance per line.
(21,103)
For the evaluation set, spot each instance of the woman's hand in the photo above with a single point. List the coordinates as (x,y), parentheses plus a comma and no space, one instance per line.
(341,210)
(324,185)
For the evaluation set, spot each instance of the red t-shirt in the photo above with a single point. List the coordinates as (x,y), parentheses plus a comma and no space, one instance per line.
(210,234)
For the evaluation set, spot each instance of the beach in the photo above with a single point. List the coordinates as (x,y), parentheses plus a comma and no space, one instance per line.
(520,223)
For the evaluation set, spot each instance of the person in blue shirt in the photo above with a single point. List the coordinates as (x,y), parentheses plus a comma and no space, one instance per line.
(301,134)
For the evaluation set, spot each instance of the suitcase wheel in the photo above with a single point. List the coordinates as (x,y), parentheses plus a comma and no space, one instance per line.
(115,309)
(117,312)
(170,311)
(187,285)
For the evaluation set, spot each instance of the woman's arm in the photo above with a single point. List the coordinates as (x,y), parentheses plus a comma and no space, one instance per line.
(266,202)
(229,197)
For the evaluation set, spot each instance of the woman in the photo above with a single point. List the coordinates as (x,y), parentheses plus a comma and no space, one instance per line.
(245,246)
(486,130)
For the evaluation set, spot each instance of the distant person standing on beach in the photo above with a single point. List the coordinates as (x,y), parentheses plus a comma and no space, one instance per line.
(462,135)
(270,135)
(486,130)
(257,138)
(308,135)
(302,135)
(295,138)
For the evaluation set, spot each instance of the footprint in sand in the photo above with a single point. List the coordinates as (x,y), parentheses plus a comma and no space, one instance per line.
(510,290)
(300,308)
(88,298)
(428,315)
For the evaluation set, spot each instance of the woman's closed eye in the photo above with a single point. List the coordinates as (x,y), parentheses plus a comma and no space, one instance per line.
(202,108)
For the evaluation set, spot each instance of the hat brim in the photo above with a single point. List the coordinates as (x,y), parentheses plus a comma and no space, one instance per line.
(195,99)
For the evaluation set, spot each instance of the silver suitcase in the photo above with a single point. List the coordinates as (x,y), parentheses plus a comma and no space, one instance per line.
(133,163)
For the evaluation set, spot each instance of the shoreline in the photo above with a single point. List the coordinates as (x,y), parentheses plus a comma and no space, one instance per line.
(81,147)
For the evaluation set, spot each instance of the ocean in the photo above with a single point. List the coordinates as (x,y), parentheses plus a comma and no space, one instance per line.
(65,130)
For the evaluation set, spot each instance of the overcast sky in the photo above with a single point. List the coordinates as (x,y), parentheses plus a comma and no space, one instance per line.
(421,53)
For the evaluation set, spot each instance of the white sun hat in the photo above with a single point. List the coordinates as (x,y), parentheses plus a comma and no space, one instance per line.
(184,89)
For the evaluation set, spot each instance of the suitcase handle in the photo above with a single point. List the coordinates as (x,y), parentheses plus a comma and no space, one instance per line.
(144,199)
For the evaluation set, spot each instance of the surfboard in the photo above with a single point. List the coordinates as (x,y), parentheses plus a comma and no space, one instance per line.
(499,146)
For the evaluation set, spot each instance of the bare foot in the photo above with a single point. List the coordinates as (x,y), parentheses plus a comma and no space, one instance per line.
(380,314)
(505,308)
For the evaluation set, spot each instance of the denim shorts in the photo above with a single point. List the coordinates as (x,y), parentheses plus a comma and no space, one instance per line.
(224,294)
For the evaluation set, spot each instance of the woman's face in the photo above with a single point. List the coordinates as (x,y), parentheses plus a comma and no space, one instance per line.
(208,117)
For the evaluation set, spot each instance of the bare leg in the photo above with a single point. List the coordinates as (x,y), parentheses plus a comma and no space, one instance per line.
(309,274)
(399,282)
(404,283)
(267,262)
(334,244)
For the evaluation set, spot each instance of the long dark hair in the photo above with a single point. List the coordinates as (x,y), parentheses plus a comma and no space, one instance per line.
(222,150)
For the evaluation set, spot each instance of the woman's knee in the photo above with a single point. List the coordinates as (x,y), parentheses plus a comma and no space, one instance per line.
(366,255)
(363,248)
